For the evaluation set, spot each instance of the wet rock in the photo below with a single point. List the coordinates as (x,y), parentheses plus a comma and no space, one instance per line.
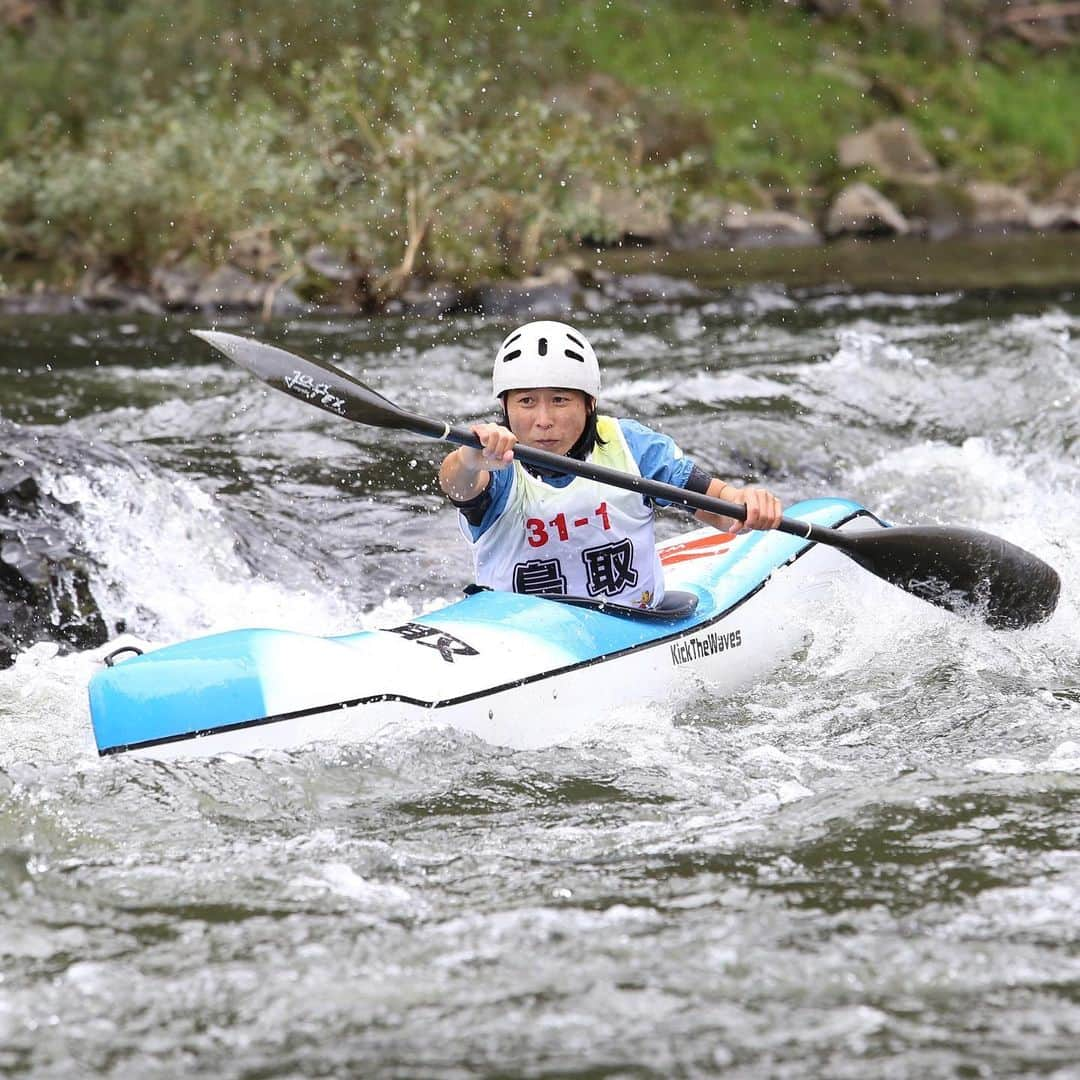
(337,277)
(8,649)
(189,287)
(1068,191)
(1055,216)
(936,211)
(337,266)
(764,228)
(19,490)
(41,301)
(997,207)
(229,289)
(1062,211)
(107,291)
(739,226)
(893,149)
(45,592)
(175,287)
(432,301)
(860,210)
(29,551)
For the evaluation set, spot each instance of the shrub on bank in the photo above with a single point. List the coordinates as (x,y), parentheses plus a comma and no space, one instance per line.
(158,182)
(405,169)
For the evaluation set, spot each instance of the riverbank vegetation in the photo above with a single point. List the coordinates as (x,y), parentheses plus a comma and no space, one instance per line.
(345,152)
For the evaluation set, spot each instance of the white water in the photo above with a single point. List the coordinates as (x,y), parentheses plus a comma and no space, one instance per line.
(863,866)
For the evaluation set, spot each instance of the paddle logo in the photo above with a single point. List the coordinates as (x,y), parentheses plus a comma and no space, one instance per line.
(447,645)
(704,645)
(318,393)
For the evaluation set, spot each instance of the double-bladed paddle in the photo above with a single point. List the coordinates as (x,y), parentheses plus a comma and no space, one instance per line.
(955,568)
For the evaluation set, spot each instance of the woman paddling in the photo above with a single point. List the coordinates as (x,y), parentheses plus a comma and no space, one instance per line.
(558,534)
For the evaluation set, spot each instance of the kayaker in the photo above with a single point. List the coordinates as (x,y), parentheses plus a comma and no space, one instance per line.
(568,535)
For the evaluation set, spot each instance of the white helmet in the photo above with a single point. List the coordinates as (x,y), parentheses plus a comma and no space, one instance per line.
(546,354)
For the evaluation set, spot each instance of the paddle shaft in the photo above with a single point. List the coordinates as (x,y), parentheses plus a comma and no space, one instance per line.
(654,489)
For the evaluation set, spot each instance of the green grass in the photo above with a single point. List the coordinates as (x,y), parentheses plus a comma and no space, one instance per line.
(1015,125)
(779,89)
(103,57)
(775,95)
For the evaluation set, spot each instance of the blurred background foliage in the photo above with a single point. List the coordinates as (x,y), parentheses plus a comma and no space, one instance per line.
(457,139)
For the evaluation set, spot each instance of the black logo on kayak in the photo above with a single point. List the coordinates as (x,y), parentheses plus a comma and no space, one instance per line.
(434,638)
(711,644)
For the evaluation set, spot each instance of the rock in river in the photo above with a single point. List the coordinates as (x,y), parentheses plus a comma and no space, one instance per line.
(45,592)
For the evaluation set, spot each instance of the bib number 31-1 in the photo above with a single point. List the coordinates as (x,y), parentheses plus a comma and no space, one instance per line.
(537,529)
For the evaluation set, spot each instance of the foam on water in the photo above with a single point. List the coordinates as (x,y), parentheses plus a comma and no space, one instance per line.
(166,554)
(43,712)
(884,303)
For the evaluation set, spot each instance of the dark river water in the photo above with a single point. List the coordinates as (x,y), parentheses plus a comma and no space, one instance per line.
(866,865)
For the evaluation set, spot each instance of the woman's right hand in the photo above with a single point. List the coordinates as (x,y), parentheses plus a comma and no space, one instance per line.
(498,451)
(464,473)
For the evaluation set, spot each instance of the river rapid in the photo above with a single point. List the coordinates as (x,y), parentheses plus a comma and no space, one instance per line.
(867,865)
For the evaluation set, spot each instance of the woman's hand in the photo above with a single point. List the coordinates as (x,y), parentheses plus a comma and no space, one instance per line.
(763,509)
(465,472)
(498,451)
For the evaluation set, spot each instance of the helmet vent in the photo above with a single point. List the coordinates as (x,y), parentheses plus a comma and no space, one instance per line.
(511,356)
(580,344)
(541,346)
(575,355)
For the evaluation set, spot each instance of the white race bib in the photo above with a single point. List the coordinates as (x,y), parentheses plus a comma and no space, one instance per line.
(585,539)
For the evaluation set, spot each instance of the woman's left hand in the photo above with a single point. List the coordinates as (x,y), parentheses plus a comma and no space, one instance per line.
(763,509)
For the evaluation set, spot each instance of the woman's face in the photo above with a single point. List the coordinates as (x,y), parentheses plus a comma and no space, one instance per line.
(547,419)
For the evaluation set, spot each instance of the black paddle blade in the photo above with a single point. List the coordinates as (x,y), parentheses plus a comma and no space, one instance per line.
(316,382)
(961,570)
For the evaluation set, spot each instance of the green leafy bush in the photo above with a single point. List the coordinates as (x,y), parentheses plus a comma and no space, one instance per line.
(407,166)
(432,171)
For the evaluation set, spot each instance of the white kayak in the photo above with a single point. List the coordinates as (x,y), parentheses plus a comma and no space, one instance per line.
(516,670)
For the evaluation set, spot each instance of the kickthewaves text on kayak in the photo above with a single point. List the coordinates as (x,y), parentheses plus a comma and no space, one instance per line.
(697,648)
